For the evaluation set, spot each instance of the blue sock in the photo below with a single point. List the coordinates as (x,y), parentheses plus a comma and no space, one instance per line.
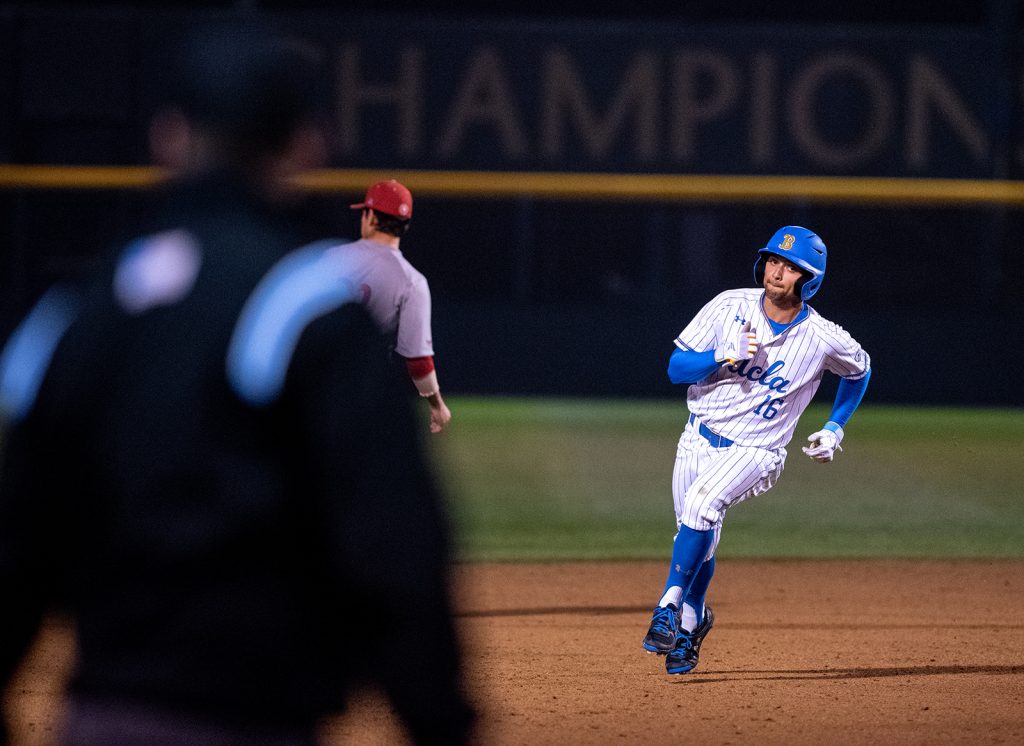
(699,588)
(688,553)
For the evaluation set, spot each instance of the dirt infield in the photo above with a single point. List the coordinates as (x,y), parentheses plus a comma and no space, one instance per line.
(837,652)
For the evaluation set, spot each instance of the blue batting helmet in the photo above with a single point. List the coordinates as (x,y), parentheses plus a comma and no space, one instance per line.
(798,246)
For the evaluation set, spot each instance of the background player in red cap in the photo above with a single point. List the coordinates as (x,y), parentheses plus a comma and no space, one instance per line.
(395,293)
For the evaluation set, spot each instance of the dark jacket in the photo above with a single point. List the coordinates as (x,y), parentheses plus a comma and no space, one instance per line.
(246,559)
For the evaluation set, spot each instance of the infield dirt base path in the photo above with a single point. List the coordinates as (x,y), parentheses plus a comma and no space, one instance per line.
(802,652)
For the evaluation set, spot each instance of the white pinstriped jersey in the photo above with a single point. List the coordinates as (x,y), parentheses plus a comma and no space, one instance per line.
(394,292)
(758,402)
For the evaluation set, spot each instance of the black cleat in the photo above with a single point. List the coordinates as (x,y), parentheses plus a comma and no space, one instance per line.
(664,629)
(684,655)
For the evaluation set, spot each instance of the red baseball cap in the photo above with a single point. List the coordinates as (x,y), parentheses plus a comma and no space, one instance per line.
(388,197)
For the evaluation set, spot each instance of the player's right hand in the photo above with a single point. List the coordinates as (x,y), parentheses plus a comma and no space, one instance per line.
(440,415)
(742,345)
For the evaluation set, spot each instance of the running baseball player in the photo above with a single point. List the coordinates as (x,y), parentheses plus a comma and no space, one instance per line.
(753,358)
(395,293)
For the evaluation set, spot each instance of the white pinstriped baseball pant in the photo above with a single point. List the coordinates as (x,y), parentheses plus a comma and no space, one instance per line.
(706,481)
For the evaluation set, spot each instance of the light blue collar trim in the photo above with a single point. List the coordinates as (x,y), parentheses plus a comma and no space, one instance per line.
(778,328)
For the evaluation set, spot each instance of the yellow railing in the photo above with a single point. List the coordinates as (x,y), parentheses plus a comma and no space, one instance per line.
(569,186)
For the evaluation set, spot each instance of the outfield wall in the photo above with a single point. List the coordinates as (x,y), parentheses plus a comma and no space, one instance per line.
(583,187)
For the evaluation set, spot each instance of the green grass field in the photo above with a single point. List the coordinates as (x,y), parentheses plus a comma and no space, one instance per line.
(553,479)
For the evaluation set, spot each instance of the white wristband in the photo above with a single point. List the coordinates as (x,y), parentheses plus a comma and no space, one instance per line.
(838,430)
(427,386)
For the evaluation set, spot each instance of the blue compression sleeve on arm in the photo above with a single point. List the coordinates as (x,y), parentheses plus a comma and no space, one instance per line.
(687,366)
(848,396)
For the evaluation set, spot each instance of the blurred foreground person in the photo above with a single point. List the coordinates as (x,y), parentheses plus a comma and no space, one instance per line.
(209,464)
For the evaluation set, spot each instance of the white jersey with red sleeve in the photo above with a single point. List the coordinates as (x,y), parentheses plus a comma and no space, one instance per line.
(394,292)
(758,402)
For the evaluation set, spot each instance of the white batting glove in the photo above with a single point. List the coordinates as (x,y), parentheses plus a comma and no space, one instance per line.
(742,345)
(824,445)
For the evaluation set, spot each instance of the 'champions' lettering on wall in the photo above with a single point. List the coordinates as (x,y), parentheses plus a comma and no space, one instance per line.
(667,102)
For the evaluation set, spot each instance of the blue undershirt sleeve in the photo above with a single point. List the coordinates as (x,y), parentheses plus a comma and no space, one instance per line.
(687,366)
(848,396)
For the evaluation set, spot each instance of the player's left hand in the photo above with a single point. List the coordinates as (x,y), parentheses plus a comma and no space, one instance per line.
(824,445)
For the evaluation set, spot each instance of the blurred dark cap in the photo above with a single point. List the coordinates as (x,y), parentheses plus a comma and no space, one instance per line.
(246,84)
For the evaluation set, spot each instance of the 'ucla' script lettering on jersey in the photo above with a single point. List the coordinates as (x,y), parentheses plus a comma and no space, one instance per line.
(763,376)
